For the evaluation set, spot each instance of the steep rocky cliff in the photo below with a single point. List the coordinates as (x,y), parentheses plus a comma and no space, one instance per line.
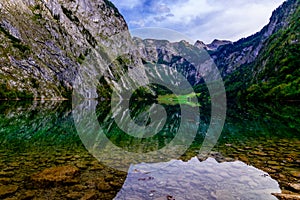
(45,43)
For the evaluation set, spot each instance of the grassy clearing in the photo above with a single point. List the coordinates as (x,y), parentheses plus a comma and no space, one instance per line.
(173,99)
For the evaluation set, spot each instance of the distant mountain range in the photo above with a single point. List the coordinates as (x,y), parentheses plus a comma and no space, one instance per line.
(264,66)
(46,44)
(212,46)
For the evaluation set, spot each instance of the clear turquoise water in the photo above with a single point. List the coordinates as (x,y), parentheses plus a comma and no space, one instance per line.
(38,135)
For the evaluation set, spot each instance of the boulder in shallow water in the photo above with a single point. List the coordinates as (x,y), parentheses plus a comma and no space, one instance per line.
(91,195)
(6,190)
(287,196)
(54,175)
(295,174)
(295,186)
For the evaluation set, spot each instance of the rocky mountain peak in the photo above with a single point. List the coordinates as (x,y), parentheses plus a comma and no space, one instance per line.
(200,45)
(217,43)
(212,46)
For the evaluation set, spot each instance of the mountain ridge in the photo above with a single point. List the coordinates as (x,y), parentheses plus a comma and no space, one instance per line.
(43,62)
(213,46)
(240,63)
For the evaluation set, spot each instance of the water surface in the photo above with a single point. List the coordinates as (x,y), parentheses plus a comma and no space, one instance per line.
(264,142)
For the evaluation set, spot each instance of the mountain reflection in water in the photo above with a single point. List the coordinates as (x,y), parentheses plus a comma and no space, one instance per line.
(197,180)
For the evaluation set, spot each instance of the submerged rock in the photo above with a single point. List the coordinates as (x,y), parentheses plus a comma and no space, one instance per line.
(287,196)
(103,186)
(5,181)
(295,174)
(6,190)
(74,195)
(91,195)
(28,195)
(295,186)
(61,174)
(7,174)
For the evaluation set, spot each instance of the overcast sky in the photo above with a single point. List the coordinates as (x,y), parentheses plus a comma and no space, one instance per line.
(200,19)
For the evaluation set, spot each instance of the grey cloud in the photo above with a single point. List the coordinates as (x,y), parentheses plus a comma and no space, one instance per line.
(170,15)
(160,18)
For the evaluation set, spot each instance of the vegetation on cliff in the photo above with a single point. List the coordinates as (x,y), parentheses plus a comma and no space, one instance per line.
(274,74)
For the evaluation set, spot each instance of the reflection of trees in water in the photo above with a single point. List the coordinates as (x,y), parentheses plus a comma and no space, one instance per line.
(36,124)
(139,113)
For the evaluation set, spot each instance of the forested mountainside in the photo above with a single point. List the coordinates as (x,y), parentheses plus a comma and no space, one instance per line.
(274,73)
